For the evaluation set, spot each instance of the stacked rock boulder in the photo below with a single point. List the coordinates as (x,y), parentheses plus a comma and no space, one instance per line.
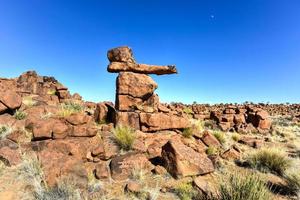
(136,103)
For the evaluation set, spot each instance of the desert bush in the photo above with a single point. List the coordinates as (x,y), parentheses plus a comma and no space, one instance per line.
(236,137)
(187,132)
(68,108)
(185,191)
(271,160)
(242,186)
(51,92)
(220,136)
(124,136)
(62,191)
(30,171)
(4,131)
(138,173)
(187,111)
(211,150)
(198,125)
(28,101)
(20,115)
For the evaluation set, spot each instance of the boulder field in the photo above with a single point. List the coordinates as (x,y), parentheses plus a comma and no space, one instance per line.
(73,137)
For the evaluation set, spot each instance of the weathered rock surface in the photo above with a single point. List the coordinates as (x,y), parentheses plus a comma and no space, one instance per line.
(122,166)
(10,99)
(181,160)
(135,85)
(120,54)
(161,121)
(141,68)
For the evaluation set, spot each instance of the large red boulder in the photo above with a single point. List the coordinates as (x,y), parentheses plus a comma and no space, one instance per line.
(135,85)
(181,160)
(120,54)
(10,99)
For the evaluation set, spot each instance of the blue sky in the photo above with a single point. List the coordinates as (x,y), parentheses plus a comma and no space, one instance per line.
(225,50)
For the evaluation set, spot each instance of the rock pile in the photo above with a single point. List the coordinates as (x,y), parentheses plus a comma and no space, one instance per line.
(247,119)
(136,103)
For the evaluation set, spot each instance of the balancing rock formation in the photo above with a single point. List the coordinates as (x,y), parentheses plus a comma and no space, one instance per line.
(136,103)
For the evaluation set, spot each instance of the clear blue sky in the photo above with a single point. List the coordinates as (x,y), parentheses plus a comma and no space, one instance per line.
(225,51)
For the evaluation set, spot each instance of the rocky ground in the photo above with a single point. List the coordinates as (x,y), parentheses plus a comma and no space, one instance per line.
(54,145)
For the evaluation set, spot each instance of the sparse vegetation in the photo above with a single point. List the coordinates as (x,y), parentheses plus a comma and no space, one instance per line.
(236,137)
(271,160)
(211,150)
(138,173)
(31,173)
(198,125)
(188,111)
(220,136)
(242,186)
(51,92)
(63,190)
(28,101)
(187,132)
(20,115)
(5,130)
(124,136)
(69,108)
(46,115)
(185,191)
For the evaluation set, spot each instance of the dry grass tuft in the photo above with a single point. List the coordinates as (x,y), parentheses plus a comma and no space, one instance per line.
(243,186)
(69,108)
(5,130)
(270,160)
(220,136)
(187,132)
(124,136)
(20,115)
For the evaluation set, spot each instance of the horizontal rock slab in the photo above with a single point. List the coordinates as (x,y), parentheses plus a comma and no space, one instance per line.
(181,160)
(135,85)
(162,121)
(117,67)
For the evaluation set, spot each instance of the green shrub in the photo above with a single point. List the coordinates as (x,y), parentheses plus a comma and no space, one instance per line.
(236,137)
(124,136)
(187,132)
(211,150)
(271,160)
(68,108)
(20,115)
(4,131)
(243,186)
(51,92)
(220,136)
(185,191)
(187,111)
